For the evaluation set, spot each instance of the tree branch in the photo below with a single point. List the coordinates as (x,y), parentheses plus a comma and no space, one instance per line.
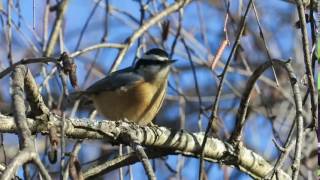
(20,76)
(307,63)
(61,9)
(159,138)
(174,7)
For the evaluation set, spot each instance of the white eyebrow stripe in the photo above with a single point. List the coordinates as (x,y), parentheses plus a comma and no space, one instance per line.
(154,57)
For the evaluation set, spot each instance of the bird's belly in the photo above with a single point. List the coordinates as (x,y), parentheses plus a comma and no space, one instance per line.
(138,104)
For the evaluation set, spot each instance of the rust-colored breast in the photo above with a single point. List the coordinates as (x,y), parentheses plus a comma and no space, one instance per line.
(139,104)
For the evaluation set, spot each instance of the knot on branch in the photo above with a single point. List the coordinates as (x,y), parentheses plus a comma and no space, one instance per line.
(230,156)
(66,64)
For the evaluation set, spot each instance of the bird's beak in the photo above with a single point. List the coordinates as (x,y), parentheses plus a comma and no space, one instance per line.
(171,61)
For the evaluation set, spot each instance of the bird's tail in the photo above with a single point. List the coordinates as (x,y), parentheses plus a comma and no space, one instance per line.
(79,95)
(75,95)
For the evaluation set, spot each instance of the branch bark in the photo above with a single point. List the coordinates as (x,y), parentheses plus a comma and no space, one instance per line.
(22,78)
(159,138)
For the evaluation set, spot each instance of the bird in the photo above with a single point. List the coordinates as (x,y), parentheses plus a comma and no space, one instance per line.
(136,93)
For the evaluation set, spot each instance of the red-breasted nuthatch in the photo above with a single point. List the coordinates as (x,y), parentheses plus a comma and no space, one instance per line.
(135,93)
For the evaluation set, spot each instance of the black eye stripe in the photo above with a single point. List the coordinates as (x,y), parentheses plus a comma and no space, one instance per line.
(151,62)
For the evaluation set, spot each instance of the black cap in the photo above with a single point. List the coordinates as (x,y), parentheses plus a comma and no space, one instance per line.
(157,51)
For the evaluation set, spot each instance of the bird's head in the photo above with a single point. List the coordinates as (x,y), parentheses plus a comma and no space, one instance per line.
(154,64)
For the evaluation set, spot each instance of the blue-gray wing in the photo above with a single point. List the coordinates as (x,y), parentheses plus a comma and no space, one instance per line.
(119,80)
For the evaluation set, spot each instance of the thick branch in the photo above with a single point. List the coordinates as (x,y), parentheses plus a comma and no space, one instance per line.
(159,138)
(34,97)
(19,108)
(22,158)
(27,154)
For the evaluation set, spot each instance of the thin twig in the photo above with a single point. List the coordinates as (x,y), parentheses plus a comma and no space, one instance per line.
(23,35)
(202,23)
(127,159)
(26,61)
(86,24)
(45,25)
(307,63)
(242,111)
(286,150)
(103,40)
(195,81)
(175,6)
(144,159)
(264,42)
(224,43)
(61,9)
(214,114)
(34,14)
(176,37)
(9,32)
(73,156)
(96,46)
(62,147)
